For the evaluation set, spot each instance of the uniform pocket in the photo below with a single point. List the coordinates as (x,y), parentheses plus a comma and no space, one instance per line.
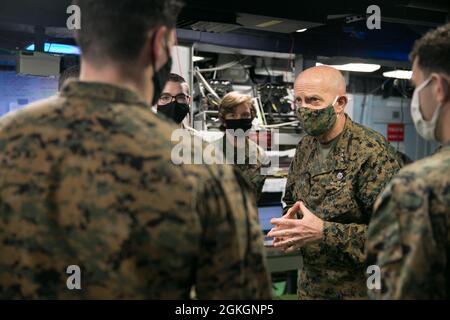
(337,181)
(339,204)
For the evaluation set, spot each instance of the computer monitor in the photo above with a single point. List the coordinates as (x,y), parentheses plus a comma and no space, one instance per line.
(266,213)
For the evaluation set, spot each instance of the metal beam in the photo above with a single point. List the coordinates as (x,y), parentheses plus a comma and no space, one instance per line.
(39,42)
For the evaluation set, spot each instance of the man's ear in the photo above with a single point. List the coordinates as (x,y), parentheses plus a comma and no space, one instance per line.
(156,47)
(340,104)
(441,88)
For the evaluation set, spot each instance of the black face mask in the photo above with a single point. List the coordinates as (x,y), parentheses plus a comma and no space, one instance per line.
(234,124)
(174,110)
(160,77)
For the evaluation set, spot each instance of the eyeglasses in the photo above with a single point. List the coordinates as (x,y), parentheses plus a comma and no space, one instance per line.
(166,98)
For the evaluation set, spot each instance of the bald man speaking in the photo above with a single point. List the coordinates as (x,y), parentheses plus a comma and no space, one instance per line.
(338,171)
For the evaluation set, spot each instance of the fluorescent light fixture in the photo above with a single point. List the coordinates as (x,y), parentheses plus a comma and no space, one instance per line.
(197,58)
(269,23)
(302,30)
(57,48)
(398,74)
(355,67)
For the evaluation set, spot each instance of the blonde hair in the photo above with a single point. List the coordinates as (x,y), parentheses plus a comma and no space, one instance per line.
(229,104)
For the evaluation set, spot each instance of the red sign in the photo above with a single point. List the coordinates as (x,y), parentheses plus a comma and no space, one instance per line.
(396,132)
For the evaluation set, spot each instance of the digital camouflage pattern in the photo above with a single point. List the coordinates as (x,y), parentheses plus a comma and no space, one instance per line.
(316,121)
(250,169)
(341,191)
(409,235)
(86,179)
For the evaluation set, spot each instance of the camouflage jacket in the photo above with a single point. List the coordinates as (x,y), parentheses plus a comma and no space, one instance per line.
(341,191)
(409,235)
(86,179)
(253,161)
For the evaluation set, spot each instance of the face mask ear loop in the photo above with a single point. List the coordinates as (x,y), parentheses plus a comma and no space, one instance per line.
(424,84)
(334,102)
(166,45)
(419,88)
(153,56)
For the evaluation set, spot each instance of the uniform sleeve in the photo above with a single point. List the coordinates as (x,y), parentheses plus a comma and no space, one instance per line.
(263,166)
(258,174)
(258,180)
(403,244)
(254,176)
(288,197)
(232,262)
(374,175)
(348,238)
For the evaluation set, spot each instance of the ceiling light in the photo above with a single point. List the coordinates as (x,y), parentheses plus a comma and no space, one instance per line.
(197,58)
(57,48)
(269,23)
(302,30)
(355,67)
(398,74)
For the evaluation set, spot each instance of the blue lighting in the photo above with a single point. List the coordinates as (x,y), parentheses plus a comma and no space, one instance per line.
(57,48)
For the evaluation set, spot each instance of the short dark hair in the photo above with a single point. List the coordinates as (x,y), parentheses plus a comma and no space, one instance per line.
(117,29)
(70,73)
(176,78)
(433,50)
(173,77)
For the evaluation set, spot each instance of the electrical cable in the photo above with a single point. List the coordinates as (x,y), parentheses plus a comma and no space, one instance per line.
(205,83)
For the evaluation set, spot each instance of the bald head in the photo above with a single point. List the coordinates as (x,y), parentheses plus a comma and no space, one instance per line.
(317,87)
(323,78)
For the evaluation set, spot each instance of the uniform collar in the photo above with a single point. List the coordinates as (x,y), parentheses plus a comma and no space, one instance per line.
(102,91)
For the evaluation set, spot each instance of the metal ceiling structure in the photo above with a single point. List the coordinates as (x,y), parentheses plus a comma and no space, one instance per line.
(334,29)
